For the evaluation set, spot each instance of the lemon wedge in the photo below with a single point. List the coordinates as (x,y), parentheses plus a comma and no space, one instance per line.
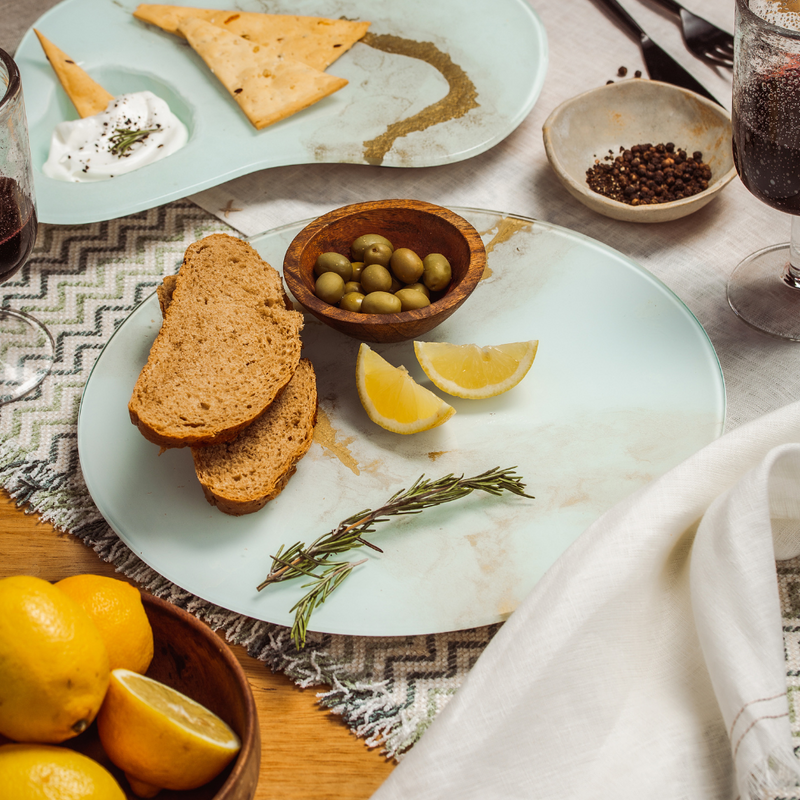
(467,370)
(393,399)
(161,738)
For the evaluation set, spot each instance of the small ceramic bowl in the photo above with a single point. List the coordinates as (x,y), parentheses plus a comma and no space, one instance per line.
(637,111)
(423,227)
(190,657)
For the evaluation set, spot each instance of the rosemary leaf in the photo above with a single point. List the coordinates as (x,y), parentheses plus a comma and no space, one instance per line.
(324,585)
(124,138)
(300,560)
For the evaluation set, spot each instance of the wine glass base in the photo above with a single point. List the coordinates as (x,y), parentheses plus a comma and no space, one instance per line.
(761,297)
(27,352)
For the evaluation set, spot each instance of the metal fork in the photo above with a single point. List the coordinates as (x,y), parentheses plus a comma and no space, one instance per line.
(702,39)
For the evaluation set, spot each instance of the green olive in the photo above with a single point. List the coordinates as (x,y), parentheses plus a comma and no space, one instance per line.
(334,262)
(351,301)
(377,254)
(352,286)
(358,268)
(329,287)
(407,265)
(376,278)
(437,272)
(380,303)
(419,287)
(359,245)
(411,298)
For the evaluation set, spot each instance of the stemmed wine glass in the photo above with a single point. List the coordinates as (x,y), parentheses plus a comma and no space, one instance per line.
(26,346)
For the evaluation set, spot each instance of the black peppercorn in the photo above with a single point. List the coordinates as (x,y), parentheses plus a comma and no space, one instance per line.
(648,174)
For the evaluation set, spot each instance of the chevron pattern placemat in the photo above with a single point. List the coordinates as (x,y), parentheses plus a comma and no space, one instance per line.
(82,282)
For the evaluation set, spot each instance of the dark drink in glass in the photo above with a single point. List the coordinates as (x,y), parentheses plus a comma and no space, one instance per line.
(27,349)
(766,139)
(18,226)
(764,289)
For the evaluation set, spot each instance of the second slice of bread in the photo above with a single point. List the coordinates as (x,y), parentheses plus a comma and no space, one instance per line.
(241,476)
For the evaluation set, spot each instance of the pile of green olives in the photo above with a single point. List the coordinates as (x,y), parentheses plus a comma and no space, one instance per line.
(377,279)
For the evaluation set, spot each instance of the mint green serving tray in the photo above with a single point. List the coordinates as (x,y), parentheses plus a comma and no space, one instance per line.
(625,385)
(465,74)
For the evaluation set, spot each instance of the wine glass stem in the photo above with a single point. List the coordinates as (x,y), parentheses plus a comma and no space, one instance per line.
(792,276)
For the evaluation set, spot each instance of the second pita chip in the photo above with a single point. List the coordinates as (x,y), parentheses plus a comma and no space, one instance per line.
(316,41)
(267,89)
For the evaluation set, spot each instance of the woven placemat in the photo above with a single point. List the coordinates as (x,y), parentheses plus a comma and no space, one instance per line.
(82,282)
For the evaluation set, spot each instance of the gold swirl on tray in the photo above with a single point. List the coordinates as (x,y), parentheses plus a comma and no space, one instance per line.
(460,99)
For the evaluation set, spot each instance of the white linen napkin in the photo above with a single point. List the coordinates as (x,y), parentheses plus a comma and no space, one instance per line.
(649,661)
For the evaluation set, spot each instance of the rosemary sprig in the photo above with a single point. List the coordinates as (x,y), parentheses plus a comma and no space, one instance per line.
(301,560)
(124,138)
(323,585)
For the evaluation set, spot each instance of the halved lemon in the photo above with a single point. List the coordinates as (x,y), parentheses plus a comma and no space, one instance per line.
(161,738)
(393,399)
(467,370)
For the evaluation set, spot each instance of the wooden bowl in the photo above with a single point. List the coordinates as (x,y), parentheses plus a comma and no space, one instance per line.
(423,227)
(191,658)
(637,111)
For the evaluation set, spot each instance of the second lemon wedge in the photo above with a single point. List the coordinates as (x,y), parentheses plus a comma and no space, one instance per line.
(393,399)
(467,370)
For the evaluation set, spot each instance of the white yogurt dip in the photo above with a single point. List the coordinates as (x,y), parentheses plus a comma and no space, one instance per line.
(94,148)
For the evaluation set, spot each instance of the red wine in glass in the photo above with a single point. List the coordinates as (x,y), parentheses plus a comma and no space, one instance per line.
(17,227)
(27,349)
(766,140)
(764,289)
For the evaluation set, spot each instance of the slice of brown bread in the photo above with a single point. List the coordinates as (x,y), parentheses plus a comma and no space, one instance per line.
(241,476)
(226,348)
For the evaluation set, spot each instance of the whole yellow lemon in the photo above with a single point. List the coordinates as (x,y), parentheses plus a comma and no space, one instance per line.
(116,608)
(53,663)
(45,772)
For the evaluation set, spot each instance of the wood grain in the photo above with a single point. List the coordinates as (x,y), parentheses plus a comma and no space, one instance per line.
(305,751)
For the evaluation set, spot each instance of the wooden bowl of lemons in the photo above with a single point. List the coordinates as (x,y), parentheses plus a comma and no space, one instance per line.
(422,233)
(189,657)
(105,685)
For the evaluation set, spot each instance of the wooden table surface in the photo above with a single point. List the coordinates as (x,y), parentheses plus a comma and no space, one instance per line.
(306,751)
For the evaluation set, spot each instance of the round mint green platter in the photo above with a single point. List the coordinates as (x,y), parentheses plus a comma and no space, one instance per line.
(625,385)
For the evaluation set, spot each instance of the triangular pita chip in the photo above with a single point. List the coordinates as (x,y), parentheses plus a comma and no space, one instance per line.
(267,89)
(88,96)
(315,41)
